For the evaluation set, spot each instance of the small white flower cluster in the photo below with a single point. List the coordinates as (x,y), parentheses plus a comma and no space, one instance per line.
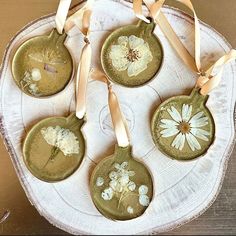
(120,184)
(61,138)
(119,181)
(30,79)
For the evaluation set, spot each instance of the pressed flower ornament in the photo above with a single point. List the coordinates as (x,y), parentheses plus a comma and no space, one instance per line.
(42,66)
(54,148)
(132,55)
(121,187)
(182,126)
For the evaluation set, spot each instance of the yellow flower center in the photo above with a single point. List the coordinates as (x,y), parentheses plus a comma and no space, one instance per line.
(184,127)
(132,55)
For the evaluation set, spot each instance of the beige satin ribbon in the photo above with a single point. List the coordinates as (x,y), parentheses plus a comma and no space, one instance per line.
(118,120)
(61,14)
(156,13)
(206,82)
(81,19)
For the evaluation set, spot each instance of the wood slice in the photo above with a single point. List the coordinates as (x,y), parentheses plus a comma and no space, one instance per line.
(183,190)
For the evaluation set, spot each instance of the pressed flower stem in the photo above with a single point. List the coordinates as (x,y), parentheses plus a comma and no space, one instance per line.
(54,152)
(123,196)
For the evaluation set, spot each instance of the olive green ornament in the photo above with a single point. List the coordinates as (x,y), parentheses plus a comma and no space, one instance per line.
(132,55)
(54,148)
(183,127)
(121,187)
(42,66)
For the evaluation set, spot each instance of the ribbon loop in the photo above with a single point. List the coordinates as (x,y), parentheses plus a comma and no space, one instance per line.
(61,15)
(206,81)
(161,20)
(82,19)
(209,81)
(119,122)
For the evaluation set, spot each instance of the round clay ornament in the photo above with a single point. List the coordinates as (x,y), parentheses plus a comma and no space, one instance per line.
(183,127)
(42,66)
(132,55)
(121,187)
(54,148)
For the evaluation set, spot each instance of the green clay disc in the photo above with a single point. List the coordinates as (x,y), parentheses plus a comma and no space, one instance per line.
(121,187)
(54,162)
(183,127)
(132,55)
(42,66)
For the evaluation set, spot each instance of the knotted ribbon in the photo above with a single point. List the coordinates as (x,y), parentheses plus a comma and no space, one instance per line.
(81,19)
(207,81)
(118,120)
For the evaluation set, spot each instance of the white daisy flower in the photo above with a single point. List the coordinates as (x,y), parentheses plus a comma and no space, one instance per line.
(131,54)
(184,126)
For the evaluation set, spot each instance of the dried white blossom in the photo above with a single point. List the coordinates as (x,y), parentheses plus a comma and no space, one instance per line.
(62,138)
(184,127)
(107,194)
(131,186)
(143,189)
(36,74)
(132,54)
(144,200)
(130,210)
(99,181)
(30,80)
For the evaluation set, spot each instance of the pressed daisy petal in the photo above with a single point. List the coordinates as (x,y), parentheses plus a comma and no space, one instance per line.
(200,133)
(186,112)
(118,56)
(199,122)
(182,142)
(192,141)
(174,114)
(179,141)
(168,123)
(134,41)
(169,132)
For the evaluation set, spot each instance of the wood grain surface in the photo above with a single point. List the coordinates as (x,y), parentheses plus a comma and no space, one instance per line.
(24,219)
